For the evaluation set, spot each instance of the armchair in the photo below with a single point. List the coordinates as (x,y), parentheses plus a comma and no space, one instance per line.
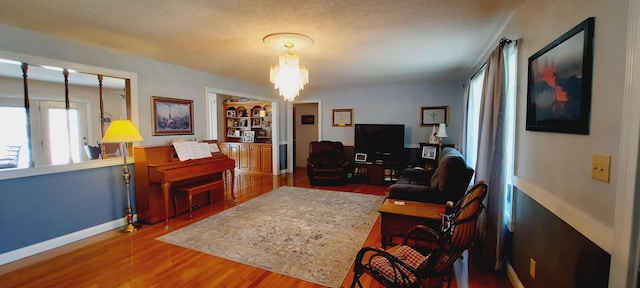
(327,163)
(426,257)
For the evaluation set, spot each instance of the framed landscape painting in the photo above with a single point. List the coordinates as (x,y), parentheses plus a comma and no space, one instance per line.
(171,116)
(559,84)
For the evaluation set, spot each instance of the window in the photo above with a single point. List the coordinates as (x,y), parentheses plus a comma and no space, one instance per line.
(510,53)
(15,134)
(473,116)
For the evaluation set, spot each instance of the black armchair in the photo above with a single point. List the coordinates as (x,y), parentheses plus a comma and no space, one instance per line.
(327,163)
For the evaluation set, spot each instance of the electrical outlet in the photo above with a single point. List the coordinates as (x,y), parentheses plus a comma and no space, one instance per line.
(601,167)
(532,268)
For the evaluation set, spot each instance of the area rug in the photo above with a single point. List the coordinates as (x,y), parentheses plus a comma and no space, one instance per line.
(309,234)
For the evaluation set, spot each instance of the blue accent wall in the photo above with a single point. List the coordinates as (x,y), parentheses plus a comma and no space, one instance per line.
(39,208)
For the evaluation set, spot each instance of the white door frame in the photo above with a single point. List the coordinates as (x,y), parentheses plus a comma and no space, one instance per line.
(624,256)
(290,122)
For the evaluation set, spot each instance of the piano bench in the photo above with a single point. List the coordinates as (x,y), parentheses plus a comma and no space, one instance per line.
(198,188)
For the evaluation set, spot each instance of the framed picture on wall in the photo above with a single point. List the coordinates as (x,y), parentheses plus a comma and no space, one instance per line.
(307,119)
(434,115)
(559,83)
(171,116)
(342,117)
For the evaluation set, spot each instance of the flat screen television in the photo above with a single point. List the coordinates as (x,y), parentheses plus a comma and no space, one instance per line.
(378,140)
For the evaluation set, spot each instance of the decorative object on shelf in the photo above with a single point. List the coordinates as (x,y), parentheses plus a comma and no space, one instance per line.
(442,133)
(124,132)
(171,116)
(248,136)
(288,77)
(432,138)
(434,115)
(559,84)
(429,152)
(307,119)
(361,157)
(342,118)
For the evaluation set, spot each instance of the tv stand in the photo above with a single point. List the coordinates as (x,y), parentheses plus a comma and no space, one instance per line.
(377,174)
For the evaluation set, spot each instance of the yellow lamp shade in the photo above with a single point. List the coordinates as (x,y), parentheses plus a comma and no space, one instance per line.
(121,131)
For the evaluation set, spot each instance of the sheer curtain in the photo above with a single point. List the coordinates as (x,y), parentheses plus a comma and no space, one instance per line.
(493,155)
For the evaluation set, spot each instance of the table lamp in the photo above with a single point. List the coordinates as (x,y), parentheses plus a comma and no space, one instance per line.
(124,132)
(442,133)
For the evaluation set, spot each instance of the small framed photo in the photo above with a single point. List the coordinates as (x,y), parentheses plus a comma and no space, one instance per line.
(248,136)
(171,116)
(231,113)
(307,119)
(361,157)
(342,118)
(214,147)
(429,152)
(434,115)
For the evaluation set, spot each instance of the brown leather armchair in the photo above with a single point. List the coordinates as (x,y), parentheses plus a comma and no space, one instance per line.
(327,163)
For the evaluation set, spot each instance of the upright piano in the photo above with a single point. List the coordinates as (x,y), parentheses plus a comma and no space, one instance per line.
(158,172)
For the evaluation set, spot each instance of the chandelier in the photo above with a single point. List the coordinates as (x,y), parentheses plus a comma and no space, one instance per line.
(288,77)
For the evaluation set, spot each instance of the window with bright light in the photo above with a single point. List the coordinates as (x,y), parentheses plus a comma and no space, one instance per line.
(473,119)
(64,136)
(15,133)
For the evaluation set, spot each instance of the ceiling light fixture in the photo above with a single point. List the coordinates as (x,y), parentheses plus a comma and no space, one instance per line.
(288,77)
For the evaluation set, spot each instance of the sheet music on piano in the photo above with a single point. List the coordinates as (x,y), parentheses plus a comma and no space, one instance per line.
(191,150)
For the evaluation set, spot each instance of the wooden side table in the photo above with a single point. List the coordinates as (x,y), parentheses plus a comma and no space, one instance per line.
(398,216)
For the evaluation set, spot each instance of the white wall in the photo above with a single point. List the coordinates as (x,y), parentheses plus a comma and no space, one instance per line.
(393,104)
(554,168)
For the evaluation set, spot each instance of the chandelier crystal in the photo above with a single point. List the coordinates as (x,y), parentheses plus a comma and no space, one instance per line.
(288,77)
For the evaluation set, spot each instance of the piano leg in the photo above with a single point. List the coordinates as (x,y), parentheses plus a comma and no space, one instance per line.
(166,186)
(233,179)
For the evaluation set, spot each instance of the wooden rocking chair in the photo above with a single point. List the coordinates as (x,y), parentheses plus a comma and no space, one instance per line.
(425,258)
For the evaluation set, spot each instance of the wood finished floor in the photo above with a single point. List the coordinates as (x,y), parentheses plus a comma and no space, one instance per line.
(113,259)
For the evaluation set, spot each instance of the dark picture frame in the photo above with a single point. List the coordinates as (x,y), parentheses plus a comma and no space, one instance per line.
(559,83)
(434,115)
(171,116)
(307,119)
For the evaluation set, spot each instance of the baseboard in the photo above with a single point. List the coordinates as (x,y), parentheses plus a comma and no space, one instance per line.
(40,247)
(513,277)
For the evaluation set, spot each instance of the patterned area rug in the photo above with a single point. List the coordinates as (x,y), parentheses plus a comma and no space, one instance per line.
(309,234)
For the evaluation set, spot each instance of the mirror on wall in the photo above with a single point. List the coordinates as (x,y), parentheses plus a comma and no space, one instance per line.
(57,115)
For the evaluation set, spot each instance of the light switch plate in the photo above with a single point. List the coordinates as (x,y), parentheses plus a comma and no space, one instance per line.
(601,167)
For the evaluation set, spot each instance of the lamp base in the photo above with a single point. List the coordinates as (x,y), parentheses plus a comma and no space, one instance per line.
(130,227)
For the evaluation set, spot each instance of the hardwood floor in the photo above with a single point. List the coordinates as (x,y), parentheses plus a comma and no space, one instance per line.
(113,259)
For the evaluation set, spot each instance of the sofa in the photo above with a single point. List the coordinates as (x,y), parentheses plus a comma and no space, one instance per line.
(448,182)
(327,163)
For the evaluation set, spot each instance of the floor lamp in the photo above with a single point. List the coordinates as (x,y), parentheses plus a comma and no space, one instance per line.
(124,132)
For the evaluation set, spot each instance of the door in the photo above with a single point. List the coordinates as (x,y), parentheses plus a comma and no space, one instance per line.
(304,133)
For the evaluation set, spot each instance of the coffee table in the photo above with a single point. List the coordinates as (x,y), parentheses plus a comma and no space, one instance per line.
(398,216)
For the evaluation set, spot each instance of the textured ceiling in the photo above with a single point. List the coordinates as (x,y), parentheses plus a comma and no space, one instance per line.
(356,42)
